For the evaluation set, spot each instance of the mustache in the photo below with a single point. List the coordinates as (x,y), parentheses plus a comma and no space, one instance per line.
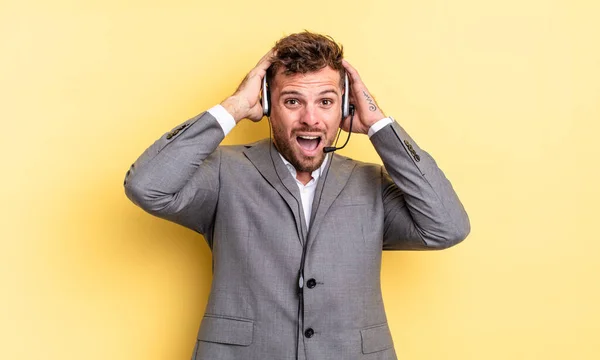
(309,129)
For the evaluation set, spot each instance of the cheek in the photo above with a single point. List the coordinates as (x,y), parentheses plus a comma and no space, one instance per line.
(333,124)
(280,127)
(283,119)
(332,132)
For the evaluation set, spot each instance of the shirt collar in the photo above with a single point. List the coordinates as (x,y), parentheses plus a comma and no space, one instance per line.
(315,174)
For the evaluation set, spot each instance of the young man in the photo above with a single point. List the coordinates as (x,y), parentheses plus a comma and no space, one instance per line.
(296,233)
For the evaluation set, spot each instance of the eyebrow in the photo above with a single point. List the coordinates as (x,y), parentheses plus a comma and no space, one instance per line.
(295,92)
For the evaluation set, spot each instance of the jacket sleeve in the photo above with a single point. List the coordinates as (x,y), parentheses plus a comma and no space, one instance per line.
(422,210)
(177,177)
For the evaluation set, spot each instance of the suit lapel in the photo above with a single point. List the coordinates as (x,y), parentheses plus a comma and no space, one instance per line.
(329,187)
(263,156)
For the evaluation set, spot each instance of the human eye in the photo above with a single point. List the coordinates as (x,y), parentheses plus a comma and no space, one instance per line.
(291,102)
(327,102)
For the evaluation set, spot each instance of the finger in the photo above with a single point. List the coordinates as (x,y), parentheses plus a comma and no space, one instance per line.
(354,77)
(264,62)
(260,69)
(265,56)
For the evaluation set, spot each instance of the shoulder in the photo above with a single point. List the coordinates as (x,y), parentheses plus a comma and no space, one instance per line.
(361,166)
(240,149)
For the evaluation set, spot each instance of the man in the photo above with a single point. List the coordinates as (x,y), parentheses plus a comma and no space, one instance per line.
(296,234)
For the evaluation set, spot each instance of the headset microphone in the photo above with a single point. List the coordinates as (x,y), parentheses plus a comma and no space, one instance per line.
(328,149)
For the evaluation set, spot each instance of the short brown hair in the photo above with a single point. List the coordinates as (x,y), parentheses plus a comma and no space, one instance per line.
(306,52)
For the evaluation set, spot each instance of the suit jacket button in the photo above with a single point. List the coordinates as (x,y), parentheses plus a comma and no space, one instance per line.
(417,157)
(311,283)
(309,333)
(169,136)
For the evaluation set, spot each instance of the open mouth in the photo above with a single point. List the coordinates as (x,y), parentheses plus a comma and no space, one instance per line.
(308,143)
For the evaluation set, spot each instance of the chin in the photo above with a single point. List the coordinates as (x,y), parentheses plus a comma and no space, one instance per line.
(311,165)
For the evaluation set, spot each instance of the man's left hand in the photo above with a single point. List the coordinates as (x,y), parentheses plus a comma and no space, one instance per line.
(367,111)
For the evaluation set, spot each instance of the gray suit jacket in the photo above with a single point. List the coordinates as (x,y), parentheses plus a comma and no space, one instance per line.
(245,202)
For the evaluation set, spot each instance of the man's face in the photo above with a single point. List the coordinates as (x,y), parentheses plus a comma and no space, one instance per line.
(305,115)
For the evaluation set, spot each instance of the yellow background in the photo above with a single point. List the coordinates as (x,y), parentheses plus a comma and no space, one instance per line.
(505,95)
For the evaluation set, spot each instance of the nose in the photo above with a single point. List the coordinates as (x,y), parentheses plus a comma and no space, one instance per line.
(310,117)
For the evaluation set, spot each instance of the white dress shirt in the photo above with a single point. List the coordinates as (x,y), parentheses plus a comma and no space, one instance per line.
(307,192)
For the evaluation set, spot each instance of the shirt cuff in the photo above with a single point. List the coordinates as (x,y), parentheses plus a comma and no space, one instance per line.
(223,118)
(379,125)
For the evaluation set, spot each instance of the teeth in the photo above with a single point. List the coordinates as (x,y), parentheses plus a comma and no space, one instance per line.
(309,137)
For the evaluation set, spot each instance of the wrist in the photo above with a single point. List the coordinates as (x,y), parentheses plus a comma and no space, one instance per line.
(234,107)
(379,125)
(373,120)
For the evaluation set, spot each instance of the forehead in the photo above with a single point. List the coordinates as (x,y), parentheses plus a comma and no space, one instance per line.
(316,80)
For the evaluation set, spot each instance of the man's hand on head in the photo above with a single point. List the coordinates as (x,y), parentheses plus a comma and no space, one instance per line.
(367,111)
(245,101)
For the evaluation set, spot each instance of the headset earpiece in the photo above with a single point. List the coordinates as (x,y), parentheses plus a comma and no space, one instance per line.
(346,97)
(266,97)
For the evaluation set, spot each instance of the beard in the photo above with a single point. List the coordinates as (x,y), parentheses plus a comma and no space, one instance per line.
(286,147)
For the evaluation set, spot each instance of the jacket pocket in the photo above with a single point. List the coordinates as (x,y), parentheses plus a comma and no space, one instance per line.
(226,330)
(376,338)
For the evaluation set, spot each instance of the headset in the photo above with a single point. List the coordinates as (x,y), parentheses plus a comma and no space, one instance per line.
(347,108)
(266,97)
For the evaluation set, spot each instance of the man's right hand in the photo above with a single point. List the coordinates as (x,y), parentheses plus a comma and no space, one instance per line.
(245,101)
